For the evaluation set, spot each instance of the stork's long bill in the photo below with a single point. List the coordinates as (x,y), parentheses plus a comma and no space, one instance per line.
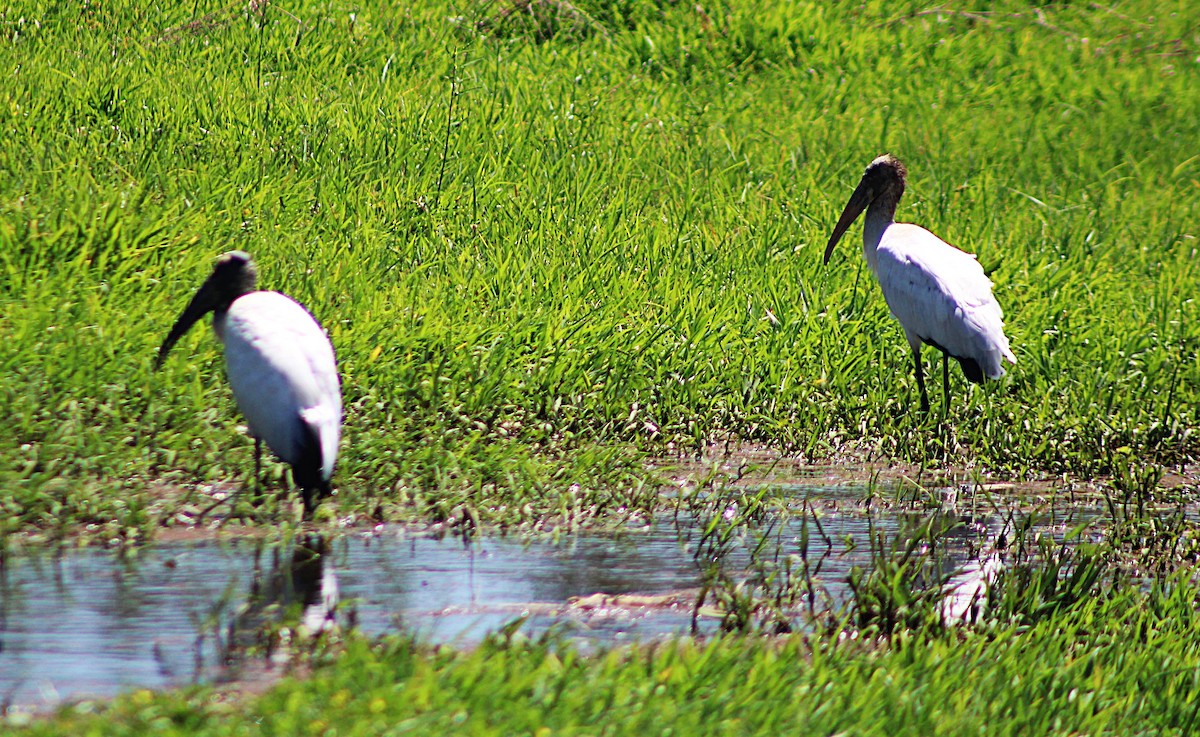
(858,202)
(202,303)
(882,182)
(233,275)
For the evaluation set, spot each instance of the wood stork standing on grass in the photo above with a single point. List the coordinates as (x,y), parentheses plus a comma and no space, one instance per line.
(939,294)
(281,367)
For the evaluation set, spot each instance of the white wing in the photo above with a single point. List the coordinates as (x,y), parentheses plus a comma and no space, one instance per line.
(283,373)
(941,295)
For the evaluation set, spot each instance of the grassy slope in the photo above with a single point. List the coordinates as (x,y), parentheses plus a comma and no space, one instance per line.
(526,250)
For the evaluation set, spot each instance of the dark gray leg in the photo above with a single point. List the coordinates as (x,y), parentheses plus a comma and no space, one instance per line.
(257,499)
(916,351)
(945,382)
(310,503)
(257,467)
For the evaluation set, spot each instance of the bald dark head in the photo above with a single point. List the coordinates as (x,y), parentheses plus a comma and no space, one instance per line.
(883,177)
(885,172)
(232,276)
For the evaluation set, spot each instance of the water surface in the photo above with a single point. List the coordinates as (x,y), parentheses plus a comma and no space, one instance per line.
(87,623)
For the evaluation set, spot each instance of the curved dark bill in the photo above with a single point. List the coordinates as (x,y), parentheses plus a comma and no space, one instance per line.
(202,303)
(858,202)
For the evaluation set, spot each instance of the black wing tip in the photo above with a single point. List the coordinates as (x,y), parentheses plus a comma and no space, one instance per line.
(971,369)
(306,471)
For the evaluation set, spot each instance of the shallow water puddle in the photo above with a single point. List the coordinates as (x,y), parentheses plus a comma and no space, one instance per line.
(83,623)
(86,624)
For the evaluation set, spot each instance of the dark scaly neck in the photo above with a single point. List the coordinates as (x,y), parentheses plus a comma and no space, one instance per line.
(880,214)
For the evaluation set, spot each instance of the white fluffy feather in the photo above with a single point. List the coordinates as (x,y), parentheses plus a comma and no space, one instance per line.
(940,295)
(283,373)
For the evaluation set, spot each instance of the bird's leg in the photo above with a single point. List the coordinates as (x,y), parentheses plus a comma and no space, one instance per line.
(258,493)
(257,466)
(310,503)
(916,351)
(945,383)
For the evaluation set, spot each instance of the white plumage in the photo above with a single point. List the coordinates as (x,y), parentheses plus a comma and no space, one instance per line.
(281,367)
(939,294)
(284,375)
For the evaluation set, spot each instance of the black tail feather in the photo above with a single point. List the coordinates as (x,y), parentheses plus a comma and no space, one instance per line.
(306,472)
(971,369)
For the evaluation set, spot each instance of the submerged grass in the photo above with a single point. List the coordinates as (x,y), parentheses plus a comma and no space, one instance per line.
(1123,662)
(549,238)
(1070,640)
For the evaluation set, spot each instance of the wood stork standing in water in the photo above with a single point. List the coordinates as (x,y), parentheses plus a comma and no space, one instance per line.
(281,367)
(939,294)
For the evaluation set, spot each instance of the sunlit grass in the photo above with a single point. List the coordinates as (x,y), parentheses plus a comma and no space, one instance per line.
(545,245)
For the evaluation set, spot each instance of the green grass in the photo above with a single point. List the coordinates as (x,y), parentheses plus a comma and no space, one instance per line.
(548,243)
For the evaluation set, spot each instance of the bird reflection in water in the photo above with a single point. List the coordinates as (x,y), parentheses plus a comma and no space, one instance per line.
(293,594)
